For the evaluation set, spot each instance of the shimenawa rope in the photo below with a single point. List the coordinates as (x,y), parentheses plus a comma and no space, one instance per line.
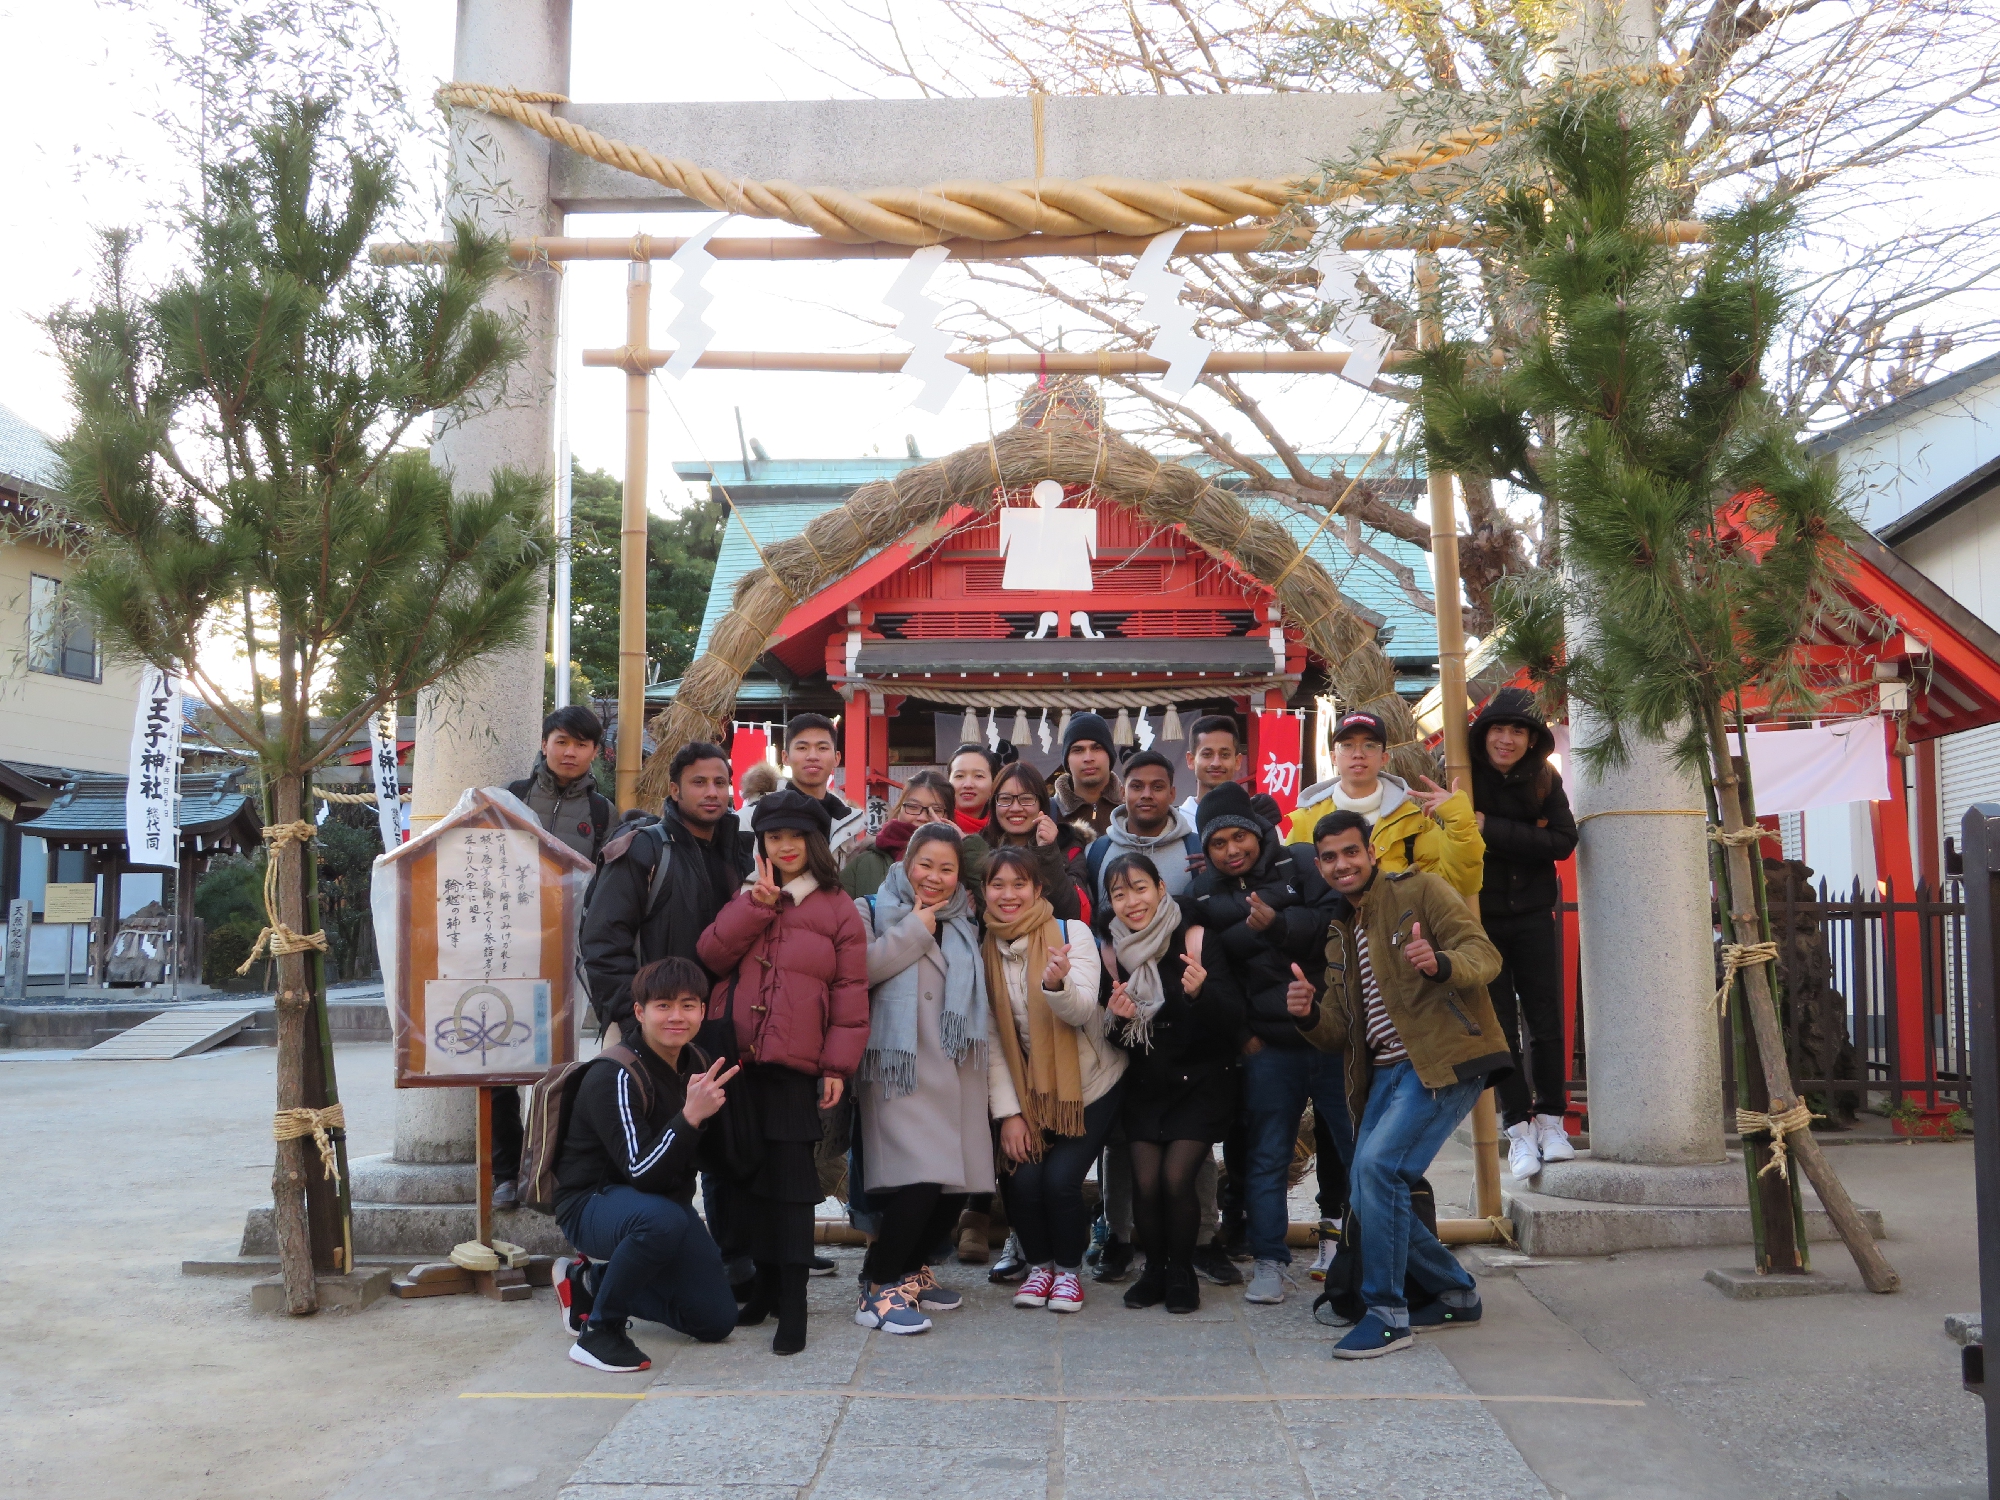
(277,936)
(1798,1117)
(290,1124)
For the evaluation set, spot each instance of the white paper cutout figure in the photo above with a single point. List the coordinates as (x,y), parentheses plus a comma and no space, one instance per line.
(1046,547)
(1042,729)
(1143,732)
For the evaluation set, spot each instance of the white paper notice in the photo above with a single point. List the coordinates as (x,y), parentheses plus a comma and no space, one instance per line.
(489,904)
(501,1026)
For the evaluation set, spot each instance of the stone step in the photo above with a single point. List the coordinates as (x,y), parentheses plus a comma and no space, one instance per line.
(1549,1226)
(423,1230)
(173,1033)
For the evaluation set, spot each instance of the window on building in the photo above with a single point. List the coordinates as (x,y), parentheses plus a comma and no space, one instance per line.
(60,641)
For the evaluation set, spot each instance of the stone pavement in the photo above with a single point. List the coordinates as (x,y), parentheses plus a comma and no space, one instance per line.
(1236,1400)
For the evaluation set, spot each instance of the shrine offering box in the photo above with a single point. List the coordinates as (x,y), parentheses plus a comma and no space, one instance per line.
(476,924)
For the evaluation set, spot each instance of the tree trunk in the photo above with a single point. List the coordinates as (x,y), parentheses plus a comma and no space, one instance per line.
(296,1157)
(1876,1272)
(329,1203)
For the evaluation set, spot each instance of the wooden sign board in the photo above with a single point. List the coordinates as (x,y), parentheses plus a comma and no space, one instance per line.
(70,901)
(476,923)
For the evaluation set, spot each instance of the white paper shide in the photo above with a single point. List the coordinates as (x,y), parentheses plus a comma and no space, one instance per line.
(153,778)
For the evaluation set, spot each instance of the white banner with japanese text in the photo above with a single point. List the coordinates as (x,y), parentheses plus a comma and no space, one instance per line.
(388,794)
(153,779)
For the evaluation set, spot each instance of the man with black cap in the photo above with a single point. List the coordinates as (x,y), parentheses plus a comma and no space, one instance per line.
(1425,828)
(1266,911)
(1085,790)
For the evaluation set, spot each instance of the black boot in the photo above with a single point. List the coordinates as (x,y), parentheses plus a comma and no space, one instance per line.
(1150,1290)
(763,1298)
(1183,1290)
(791,1335)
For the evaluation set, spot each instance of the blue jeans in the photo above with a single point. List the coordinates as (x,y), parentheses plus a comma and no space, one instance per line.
(662,1267)
(1277,1081)
(1401,1131)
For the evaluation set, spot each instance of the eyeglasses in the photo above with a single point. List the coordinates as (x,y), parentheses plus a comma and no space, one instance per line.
(1018,804)
(929,810)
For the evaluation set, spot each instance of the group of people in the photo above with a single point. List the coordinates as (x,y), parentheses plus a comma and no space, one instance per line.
(1015,980)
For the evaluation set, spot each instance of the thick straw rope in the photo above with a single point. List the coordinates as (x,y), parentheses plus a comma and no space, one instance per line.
(290,1124)
(1739,956)
(357,799)
(1189,690)
(1798,1117)
(277,936)
(970,210)
(1742,836)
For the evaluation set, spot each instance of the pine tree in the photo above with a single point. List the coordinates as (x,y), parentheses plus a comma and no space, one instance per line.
(241,446)
(1699,541)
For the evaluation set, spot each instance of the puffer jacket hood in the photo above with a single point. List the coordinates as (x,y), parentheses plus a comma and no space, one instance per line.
(1287,881)
(1512,706)
(1529,825)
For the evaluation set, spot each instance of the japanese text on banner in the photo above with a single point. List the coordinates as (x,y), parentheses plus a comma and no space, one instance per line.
(153,777)
(388,794)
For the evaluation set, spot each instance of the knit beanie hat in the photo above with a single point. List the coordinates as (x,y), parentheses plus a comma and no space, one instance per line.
(1227,806)
(788,807)
(1089,727)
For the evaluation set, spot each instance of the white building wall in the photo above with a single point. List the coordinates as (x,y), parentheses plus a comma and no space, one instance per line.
(1898,466)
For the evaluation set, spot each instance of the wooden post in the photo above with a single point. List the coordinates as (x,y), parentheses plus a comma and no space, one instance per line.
(484,1168)
(1451,691)
(632,543)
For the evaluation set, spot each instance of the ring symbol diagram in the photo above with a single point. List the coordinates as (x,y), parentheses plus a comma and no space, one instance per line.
(482,1031)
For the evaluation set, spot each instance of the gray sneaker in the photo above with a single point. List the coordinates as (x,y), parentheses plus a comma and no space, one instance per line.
(1267,1282)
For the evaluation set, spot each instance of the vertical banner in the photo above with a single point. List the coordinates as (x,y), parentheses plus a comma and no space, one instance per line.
(153,777)
(388,792)
(1278,758)
(748,746)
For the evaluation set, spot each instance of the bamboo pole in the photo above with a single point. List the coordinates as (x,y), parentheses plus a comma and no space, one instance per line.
(632,541)
(797,247)
(1876,1272)
(1108,362)
(1451,689)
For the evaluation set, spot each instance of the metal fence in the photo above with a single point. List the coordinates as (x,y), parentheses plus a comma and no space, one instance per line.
(1885,971)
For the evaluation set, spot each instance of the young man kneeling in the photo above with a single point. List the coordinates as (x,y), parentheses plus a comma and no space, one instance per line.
(1406,976)
(626,1177)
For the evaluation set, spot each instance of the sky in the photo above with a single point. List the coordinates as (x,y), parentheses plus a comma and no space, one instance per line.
(83,102)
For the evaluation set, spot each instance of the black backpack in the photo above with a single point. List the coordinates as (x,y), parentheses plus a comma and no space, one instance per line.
(655,887)
(1100,850)
(1339,1305)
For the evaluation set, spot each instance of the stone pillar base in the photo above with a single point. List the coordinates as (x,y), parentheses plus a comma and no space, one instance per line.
(1587,1207)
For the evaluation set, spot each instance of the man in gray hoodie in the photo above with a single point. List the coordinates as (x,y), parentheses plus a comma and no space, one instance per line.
(1147,823)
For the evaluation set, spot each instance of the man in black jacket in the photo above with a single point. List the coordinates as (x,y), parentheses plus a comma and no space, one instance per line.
(1266,910)
(1524,817)
(625,1180)
(625,927)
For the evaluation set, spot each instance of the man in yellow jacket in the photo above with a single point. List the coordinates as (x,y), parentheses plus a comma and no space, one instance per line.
(1426,828)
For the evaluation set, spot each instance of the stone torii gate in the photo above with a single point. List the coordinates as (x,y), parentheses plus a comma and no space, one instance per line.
(1645,930)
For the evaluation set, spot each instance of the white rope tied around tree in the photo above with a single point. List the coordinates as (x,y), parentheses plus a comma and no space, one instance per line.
(290,1124)
(279,938)
(1798,1117)
(1739,956)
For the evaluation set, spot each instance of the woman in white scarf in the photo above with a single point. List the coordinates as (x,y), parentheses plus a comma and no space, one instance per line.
(1182,1023)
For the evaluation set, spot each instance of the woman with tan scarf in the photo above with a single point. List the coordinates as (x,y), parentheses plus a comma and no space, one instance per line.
(1053,1075)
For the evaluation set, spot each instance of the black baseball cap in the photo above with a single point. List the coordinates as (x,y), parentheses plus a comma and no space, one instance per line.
(1362,723)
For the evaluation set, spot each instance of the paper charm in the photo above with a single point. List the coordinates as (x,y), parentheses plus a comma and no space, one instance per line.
(1175,341)
(993,730)
(1143,731)
(1042,732)
(918,328)
(1340,285)
(689,330)
(1048,548)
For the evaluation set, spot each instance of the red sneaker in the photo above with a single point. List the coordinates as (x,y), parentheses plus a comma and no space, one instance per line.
(1066,1295)
(1035,1290)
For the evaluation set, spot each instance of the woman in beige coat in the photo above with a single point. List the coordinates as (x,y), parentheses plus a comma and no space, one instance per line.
(922,1087)
(1054,1077)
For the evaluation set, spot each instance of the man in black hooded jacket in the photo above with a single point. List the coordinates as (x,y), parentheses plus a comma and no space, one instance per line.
(1525,818)
(1266,911)
(624,927)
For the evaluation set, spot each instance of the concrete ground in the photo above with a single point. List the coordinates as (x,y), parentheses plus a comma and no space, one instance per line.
(1625,1377)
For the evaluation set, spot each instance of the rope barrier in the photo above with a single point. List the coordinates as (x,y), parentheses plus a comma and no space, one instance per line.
(1798,1117)
(1739,956)
(279,938)
(290,1124)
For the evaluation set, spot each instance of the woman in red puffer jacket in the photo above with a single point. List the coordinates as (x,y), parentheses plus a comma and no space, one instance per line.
(793,957)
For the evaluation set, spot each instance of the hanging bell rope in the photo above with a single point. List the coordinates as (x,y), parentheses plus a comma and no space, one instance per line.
(279,938)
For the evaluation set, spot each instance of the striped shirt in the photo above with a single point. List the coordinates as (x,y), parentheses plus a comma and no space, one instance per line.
(1383,1039)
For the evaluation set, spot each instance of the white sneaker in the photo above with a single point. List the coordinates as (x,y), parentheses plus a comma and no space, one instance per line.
(1524,1155)
(1327,1245)
(1552,1137)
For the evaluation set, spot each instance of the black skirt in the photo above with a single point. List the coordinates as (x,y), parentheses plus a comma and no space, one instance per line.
(1192,1104)
(775,1206)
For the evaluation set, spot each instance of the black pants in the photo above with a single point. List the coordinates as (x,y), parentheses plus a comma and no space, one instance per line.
(1165,1212)
(1330,1170)
(1529,990)
(506,1134)
(663,1266)
(913,1219)
(1045,1198)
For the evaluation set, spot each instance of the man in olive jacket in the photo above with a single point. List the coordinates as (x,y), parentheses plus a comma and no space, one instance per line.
(1405,999)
